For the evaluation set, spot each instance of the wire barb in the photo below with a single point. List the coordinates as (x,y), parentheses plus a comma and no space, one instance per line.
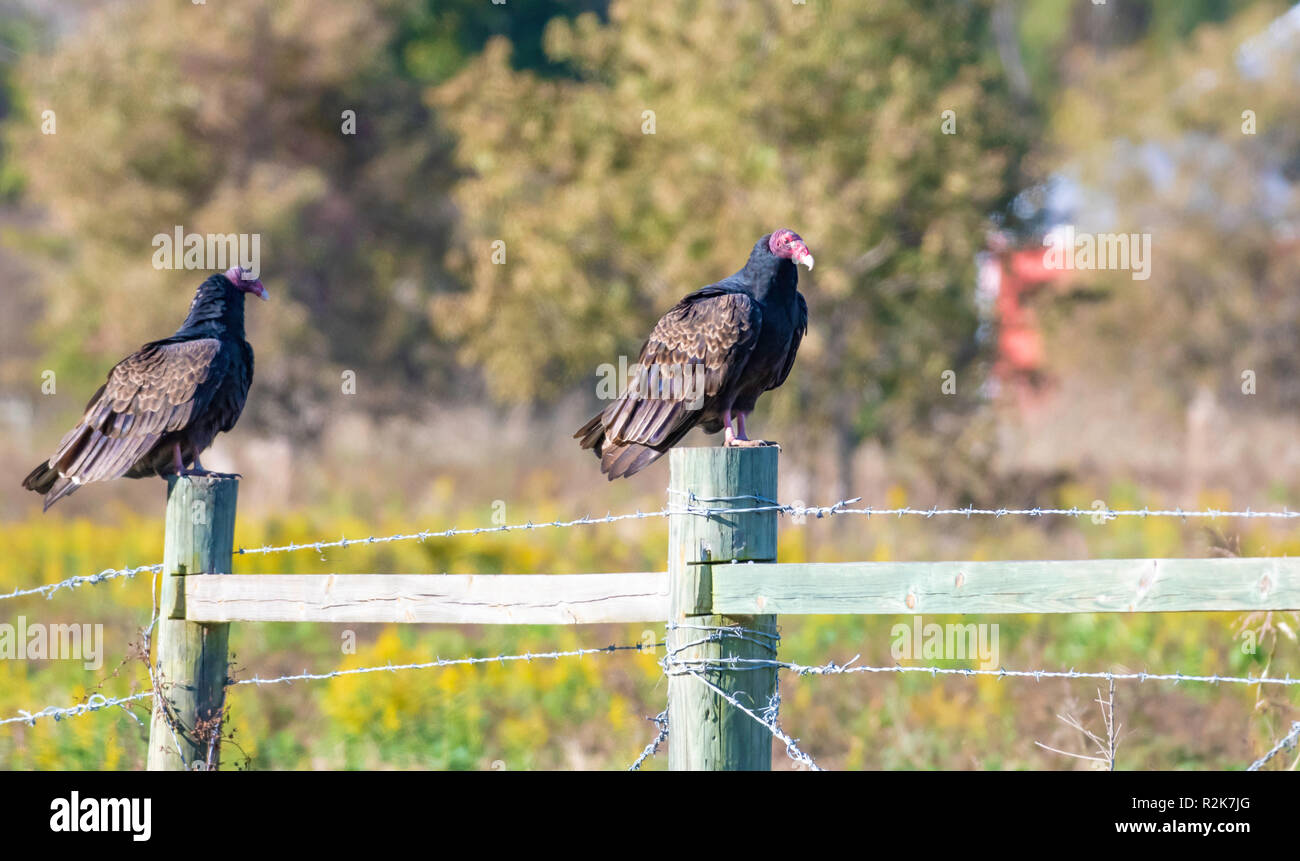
(98,702)
(661,721)
(107,574)
(1287,742)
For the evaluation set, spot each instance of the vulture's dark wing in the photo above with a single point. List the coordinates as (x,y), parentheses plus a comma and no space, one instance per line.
(154,391)
(800,328)
(229,402)
(713,328)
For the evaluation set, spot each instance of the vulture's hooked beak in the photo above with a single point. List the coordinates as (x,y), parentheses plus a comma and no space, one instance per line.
(802,255)
(235,275)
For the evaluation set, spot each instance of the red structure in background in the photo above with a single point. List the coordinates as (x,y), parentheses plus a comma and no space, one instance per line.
(1008,277)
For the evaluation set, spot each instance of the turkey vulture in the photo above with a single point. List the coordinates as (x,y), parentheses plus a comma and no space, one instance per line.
(708,358)
(163,404)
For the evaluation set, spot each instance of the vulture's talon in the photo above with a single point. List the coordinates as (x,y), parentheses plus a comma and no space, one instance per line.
(751,443)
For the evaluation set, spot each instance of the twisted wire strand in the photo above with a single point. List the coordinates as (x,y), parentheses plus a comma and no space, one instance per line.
(661,723)
(1287,742)
(98,702)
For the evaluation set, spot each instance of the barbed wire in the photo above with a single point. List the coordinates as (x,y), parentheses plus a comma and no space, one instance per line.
(674,665)
(768,721)
(717,633)
(81,580)
(442,662)
(661,722)
(94,703)
(320,546)
(1288,741)
(1039,675)
(98,701)
(833,668)
(842,507)
(451,533)
(769,715)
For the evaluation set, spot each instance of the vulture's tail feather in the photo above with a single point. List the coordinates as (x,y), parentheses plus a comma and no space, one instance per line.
(617,460)
(40,479)
(592,434)
(46,479)
(627,459)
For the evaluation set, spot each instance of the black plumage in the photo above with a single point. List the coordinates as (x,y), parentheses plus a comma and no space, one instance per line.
(162,406)
(708,360)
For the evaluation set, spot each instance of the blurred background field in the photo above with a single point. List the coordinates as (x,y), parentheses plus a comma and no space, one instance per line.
(526,123)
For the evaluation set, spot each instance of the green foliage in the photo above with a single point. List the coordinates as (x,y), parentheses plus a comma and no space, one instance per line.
(436,38)
(18,33)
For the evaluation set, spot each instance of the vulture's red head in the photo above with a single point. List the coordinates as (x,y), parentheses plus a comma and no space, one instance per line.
(787,244)
(236,276)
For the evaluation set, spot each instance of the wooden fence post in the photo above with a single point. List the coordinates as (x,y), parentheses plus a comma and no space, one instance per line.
(190,658)
(706,732)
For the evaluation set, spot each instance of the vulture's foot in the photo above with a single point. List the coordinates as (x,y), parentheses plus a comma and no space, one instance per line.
(207,473)
(198,470)
(750,443)
(738,437)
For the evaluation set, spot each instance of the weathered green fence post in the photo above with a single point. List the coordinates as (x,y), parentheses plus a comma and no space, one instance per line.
(190,658)
(706,732)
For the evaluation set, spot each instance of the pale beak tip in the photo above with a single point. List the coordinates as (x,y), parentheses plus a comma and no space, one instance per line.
(807,261)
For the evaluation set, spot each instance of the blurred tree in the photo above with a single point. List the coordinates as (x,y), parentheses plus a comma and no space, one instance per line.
(1195,147)
(229,118)
(1053,34)
(19,31)
(437,37)
(697,127)
(19,304)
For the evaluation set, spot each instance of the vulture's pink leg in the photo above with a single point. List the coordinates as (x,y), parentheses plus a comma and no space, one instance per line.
(729,435)
(180,464)
(742,439)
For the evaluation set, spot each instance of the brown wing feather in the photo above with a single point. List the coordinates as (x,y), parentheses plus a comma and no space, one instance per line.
(152,392)
(717,330)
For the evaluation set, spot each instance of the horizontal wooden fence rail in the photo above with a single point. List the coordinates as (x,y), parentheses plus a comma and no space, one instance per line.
(862,588)
(485,599)
(1074,586)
